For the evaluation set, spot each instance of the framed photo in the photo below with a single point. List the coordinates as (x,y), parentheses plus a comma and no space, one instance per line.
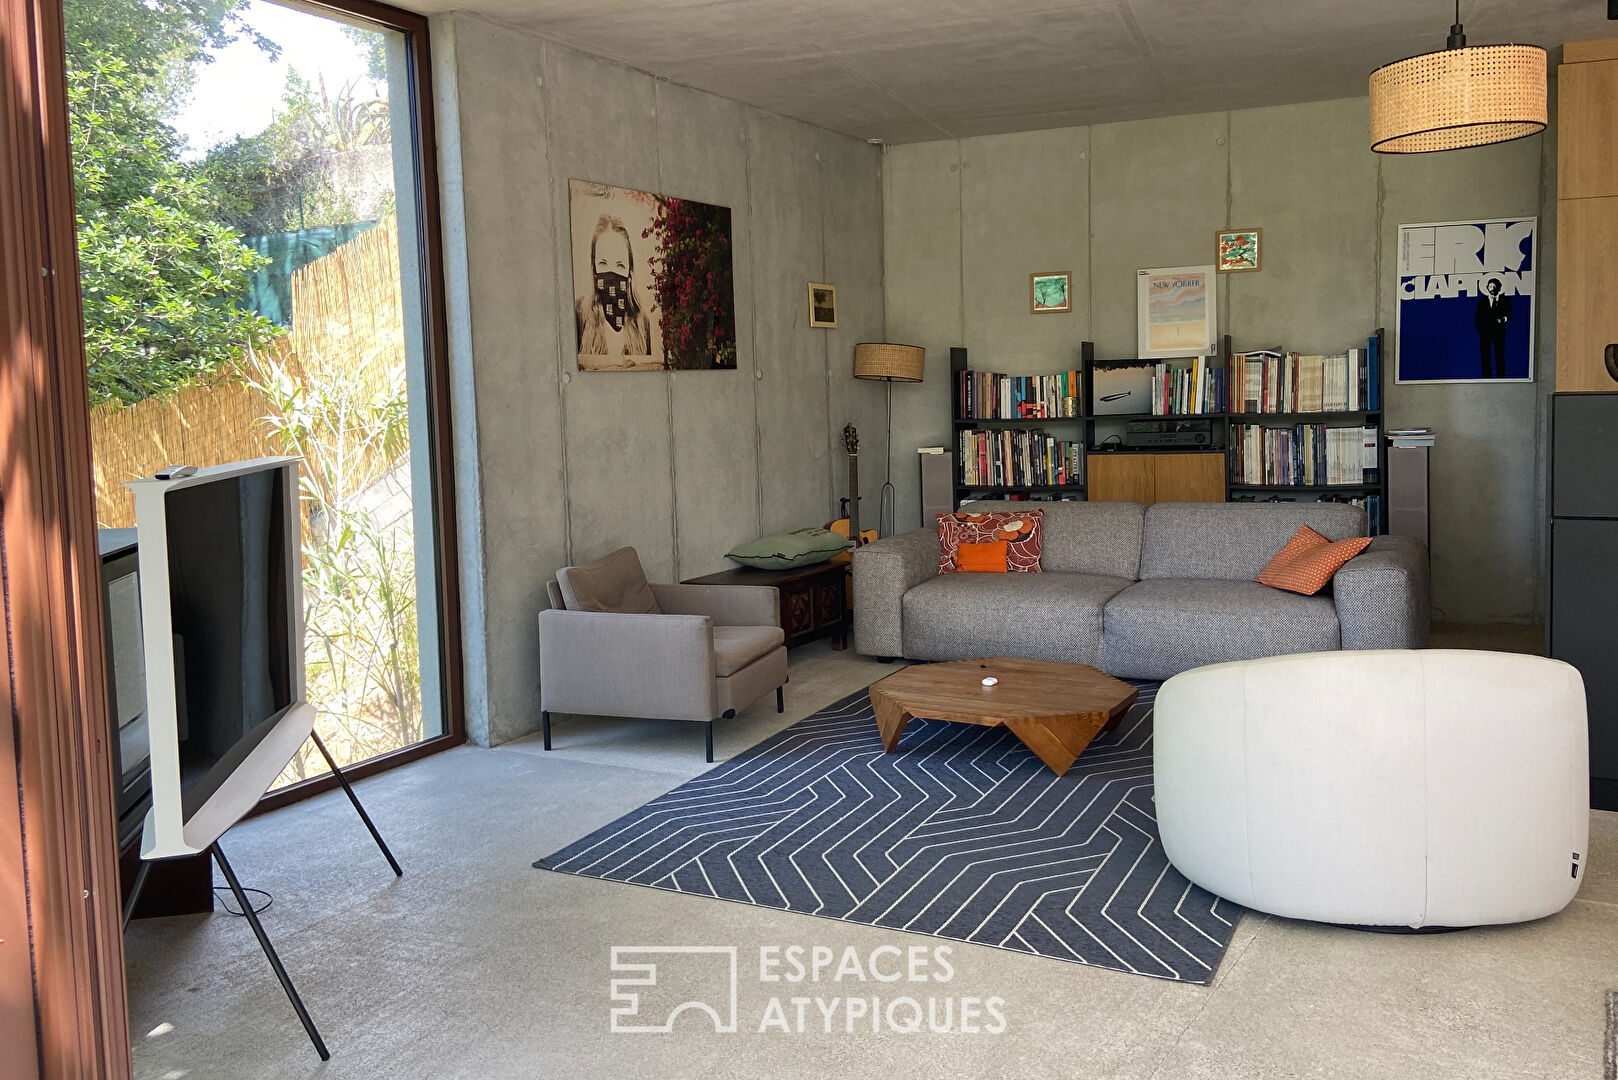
(634,255)
(822,304)
(1238,250)
(1050,293)
(1466,301)
(1176,311)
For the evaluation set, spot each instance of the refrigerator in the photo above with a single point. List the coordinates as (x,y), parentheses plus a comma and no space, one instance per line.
(1583,620)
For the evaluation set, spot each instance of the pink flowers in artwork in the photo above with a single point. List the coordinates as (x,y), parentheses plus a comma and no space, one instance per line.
(695,287)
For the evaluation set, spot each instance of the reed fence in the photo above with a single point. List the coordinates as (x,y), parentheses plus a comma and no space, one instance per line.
(347,334)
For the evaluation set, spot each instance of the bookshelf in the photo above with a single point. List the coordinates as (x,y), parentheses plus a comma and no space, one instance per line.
(1058,429)
(1139,476)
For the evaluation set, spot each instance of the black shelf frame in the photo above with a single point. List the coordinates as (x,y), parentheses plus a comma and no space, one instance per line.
(1220,423)
(1221,431)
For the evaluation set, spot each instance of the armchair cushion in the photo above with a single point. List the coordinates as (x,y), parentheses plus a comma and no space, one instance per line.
(614,583)
(734,647)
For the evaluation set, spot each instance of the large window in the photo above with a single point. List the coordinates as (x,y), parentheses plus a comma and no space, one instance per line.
(254,261)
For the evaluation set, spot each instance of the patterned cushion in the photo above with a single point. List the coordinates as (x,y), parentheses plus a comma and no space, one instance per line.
(1308,561)
(987,557)
(1020,531)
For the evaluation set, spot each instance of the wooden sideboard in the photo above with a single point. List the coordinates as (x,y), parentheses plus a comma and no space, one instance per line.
(813,598)
(1149,478)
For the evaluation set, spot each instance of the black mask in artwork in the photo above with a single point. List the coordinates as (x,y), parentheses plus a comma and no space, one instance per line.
(612,293)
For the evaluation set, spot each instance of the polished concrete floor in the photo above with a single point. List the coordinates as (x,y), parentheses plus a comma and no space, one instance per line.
(476,965)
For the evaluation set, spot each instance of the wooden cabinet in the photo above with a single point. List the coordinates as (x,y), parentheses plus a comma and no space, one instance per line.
(814,599)
(1587,216)
(1154,478)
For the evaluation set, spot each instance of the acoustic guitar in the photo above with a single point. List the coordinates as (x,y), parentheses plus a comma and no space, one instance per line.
(849,525)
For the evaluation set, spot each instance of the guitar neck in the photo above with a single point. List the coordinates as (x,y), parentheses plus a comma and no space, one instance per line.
(854,498)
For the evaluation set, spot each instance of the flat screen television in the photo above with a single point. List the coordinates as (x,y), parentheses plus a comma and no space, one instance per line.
(221,609)
(126,678)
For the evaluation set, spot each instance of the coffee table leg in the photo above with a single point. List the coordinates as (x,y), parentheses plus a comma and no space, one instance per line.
(890,721)
(1057,745)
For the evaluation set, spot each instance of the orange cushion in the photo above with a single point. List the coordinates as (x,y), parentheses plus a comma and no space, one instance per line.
(1308,561)
(986,557)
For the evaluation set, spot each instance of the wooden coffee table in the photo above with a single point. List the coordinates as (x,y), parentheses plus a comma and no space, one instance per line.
(1054,708)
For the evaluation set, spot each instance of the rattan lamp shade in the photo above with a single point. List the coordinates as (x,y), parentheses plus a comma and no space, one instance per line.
(1458,97)
(888,363)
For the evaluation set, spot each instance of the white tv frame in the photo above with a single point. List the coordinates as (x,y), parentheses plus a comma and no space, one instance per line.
(168,834)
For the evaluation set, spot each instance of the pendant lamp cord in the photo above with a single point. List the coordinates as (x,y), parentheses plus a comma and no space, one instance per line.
(1457,34)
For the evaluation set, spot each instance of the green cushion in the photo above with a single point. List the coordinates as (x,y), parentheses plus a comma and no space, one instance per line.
(783,551)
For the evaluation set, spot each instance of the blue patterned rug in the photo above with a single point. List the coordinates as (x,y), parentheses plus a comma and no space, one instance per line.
(962,834)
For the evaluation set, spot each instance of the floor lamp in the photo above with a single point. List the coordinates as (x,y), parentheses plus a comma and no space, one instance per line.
(890,364)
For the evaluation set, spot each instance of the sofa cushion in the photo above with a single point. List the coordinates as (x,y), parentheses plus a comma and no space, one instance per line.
(734,647)
(614,583)
(1233,541)
(1085,537)
(1018,530)
(1034,616)
(1162,627)
(1309,561)
(988,557)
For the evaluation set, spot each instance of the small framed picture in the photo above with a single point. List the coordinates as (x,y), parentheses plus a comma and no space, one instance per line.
(822,304)
(1050,293)
(1236,250)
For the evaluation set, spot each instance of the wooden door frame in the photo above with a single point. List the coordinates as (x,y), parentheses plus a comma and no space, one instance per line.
(61,943)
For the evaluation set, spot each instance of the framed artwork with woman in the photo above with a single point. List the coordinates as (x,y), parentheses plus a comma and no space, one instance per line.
(653,288)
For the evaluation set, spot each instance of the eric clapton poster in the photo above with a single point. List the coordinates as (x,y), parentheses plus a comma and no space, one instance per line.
(1466,301)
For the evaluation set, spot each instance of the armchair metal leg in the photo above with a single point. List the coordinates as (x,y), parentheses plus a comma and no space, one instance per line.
(709,726)
(545,726)
(780,700)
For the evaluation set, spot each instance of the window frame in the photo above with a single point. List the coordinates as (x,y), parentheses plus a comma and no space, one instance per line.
(435,351)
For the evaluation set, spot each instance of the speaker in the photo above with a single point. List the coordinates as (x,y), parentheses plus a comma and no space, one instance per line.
(937,486)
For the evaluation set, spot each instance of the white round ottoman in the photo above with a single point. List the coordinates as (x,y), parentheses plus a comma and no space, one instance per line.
(1431,788)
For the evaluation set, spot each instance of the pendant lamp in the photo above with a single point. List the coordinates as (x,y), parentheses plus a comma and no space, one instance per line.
(1462,96)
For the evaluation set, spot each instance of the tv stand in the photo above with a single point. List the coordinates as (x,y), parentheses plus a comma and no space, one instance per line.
(246,905)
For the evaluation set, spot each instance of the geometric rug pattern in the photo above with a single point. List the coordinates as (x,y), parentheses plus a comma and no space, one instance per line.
(962,833)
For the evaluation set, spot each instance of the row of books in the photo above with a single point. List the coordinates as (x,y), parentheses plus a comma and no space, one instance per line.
(1020,458)
(988,395)
(1371,504)
(1200,387)
(1283,382)
(1305,454)
(1269,381)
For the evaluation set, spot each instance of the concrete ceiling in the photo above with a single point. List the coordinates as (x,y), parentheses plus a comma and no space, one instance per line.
(913,70)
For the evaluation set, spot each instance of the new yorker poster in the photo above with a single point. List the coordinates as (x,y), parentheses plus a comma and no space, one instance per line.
(1466,301)
(1175,312)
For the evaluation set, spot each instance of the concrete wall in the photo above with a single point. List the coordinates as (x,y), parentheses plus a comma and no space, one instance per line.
(966,222)
(557,466)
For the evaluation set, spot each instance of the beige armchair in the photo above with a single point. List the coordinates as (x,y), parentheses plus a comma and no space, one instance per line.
(611,644)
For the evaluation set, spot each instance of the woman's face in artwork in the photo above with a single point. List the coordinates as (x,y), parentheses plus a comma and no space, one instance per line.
(612,253)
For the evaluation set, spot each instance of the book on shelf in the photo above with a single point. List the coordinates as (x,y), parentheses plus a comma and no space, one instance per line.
(1019,458)
(1274,381)
(1304,455)
(989,395)
(1403,437)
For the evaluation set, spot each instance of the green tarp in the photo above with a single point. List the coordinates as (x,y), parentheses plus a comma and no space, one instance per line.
(269,291)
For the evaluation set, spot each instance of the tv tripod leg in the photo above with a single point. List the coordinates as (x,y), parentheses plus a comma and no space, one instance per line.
(269,951)
(134,891)
(355,799)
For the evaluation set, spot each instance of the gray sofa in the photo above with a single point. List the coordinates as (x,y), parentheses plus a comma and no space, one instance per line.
(1142,592)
